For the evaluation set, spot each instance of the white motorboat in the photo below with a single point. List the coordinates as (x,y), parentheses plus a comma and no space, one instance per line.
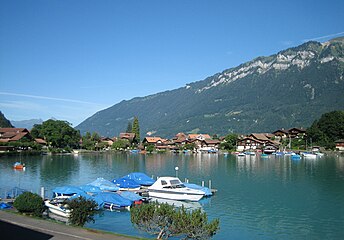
(173,188)
(58,207)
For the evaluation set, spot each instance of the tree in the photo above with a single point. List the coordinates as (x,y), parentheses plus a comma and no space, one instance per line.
(326,130)
(83,211)
(129,127)
(165,221)
(120,144)
(58,134)
(30,203)
(230,142)
(136,129)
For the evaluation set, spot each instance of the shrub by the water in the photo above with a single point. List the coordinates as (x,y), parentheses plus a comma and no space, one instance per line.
(30,203)
(166,221)
(83,211)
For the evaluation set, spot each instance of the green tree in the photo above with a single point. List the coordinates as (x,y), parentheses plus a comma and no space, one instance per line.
(120,144)
(83,211)
(30,203)
(229,142)
(165,221)
(150,148)
(58,134)
(129,127)
(325,131)
(136,129)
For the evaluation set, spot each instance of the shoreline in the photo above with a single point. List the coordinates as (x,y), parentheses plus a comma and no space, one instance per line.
(18,226)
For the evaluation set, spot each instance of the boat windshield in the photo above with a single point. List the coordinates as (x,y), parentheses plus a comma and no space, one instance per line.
(176,184)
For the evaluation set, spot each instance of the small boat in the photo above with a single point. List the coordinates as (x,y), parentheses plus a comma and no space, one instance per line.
(309,155)
(58,206)
(241,154)
(140,178)
(173,188)
(19,166)
(207,191)
(104,185)
(126,184)
(295,157)
(66,192)
(113,201)
(264,155)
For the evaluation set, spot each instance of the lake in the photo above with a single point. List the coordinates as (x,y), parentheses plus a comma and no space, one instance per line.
(273,198)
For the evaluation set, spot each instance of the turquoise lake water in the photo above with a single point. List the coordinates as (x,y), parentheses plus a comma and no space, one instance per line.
(273,198)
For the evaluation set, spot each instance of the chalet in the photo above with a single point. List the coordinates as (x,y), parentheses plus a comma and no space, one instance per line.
(158,142)
(249,143)
(262,137)
(296,132)
(280,134)
(107,140)
(180,139)
(339,145)
(192,137)
(14,134)
(206,145)
(41,141)
(129,136)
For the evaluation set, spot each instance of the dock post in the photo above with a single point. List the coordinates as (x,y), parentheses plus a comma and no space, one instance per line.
(209,184)
(202,183)
(42,192)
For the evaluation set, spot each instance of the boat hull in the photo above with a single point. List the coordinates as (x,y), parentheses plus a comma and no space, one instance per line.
(58,210)
(174,195)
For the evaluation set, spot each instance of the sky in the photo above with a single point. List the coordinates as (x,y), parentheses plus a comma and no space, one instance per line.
(68,59)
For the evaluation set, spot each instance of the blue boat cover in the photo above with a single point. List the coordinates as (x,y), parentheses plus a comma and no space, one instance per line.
(5,206)
(104,185)
(67,190)
(207,191)
(130,196)
(88,197)
(112,198)
(140,178)
(126,183)
(90,188)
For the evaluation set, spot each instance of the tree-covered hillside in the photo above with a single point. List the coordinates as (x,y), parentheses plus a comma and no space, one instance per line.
(289,89)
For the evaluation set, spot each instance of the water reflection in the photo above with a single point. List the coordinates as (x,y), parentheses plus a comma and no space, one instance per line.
(270,198)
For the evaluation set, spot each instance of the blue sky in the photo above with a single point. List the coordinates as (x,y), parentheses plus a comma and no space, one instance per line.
(69,59)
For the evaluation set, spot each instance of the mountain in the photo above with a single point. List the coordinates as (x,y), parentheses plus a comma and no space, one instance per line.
(28,124)
(4,122)
(289,89)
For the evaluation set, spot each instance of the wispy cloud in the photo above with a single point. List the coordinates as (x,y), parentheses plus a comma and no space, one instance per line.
(323,37)
(47,98)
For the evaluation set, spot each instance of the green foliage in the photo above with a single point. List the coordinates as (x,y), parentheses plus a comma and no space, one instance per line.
(129,127)
(136,129)
(165,221)
(150,148)
(325,131)
(30,203)
(82,211)
(58,134)
(258,102)
(120,144)
(189,146)
(230,142)
(4,122)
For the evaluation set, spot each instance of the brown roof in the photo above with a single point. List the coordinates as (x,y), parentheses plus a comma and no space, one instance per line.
(15,130)
(129,136)
(259,136)
(198,135)
(154,139)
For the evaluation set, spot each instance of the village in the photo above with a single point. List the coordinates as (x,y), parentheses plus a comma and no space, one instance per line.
(14,139)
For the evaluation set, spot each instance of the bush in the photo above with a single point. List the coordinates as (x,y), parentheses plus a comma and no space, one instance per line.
(165,221)
(30,203)
(83,211)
